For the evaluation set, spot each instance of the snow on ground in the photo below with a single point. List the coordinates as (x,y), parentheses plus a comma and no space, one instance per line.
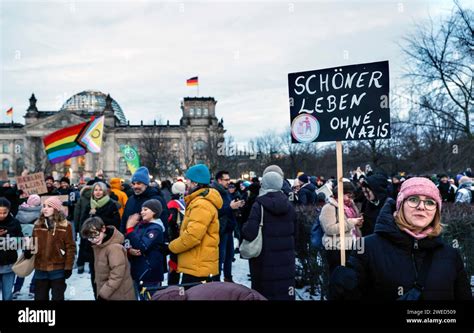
(303,294)
(79,285)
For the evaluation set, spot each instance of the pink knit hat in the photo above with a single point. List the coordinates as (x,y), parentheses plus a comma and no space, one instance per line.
(418,186)
(34,200)
(55,203)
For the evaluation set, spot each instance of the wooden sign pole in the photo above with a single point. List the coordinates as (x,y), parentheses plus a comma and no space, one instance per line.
(340,203)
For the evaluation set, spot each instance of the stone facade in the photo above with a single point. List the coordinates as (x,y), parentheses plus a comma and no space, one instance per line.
(21,146)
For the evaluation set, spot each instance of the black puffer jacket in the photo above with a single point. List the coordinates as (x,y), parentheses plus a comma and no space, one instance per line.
(307,194)
(13,227)
(389,263)
(378,184)
(273,271)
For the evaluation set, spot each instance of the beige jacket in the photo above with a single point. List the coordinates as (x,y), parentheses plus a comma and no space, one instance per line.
(112,270)
(330,225)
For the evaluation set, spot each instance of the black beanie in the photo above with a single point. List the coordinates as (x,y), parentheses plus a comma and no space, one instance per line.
(66,180)
(155,206)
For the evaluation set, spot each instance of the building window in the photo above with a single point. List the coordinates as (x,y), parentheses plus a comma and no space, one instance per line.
(18,148)
(5,165)
(5,149)
(20,165)
(191,112)
(205,112)
(198,112)
(199,146)
(122,166)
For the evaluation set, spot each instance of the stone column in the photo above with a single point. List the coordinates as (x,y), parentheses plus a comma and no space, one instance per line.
(75,170)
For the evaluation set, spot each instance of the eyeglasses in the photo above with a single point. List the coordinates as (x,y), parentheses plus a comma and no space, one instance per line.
(94,237)
(414,202)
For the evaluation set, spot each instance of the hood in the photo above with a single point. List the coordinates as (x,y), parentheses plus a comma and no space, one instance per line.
(28,215)
(209,194)
(309,187)
(219,188)
(150,192)
(387,228)
(378,184)
(86,191)
(115,184)
(276,203)
(31,209)
(117,237)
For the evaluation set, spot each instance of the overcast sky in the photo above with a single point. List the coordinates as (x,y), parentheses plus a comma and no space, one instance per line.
(142,52)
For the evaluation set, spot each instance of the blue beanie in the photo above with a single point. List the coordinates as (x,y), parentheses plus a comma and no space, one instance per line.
(199,173)
(141,175)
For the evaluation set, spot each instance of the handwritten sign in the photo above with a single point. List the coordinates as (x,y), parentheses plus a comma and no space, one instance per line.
(340,104)
(32,184)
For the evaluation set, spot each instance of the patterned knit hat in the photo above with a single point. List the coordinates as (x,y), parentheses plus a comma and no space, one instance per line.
(418,186)
(55,203)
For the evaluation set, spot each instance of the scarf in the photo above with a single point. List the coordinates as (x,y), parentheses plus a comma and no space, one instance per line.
(422,234)
(98,203)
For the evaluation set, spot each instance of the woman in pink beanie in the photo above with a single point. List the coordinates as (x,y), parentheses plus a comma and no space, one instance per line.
(405,258)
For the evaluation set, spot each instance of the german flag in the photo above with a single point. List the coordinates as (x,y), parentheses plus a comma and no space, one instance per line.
(192,81)
(10,112)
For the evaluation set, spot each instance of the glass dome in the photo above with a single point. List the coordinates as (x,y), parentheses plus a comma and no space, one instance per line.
(92,101)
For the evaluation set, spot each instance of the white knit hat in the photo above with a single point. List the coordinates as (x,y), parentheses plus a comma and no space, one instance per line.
(178,188)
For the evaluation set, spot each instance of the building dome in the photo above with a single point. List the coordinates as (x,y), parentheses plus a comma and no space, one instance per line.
(92,101)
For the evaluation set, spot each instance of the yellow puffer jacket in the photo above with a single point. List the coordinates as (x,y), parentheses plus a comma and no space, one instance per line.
(197,246)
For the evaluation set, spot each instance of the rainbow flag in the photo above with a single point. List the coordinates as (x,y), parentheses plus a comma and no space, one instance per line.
(74,141)
(192,81)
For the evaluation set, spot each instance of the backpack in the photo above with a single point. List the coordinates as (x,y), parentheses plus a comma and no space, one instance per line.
(317,234)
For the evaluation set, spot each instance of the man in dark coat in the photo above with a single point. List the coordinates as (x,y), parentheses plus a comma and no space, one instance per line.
(143,192)
(273,271)
(227,224)
(72,195)
(307,191)
(448,192)
(375,192)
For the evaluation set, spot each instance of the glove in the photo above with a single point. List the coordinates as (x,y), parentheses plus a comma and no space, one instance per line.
(67,273)
(343,284)
(27,254)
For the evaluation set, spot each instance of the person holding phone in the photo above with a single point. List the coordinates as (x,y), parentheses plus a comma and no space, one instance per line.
(9,227)
(330,224)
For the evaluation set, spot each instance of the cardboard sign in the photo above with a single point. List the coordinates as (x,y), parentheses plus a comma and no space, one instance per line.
(32,184)
(340,104)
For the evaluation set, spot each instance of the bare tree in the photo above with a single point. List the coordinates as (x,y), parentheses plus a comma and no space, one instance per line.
(158,152)
(440,67)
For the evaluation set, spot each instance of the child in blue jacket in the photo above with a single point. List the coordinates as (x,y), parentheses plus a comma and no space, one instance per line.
(145,235)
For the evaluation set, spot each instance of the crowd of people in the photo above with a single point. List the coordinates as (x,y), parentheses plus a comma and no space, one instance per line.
(134,235)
